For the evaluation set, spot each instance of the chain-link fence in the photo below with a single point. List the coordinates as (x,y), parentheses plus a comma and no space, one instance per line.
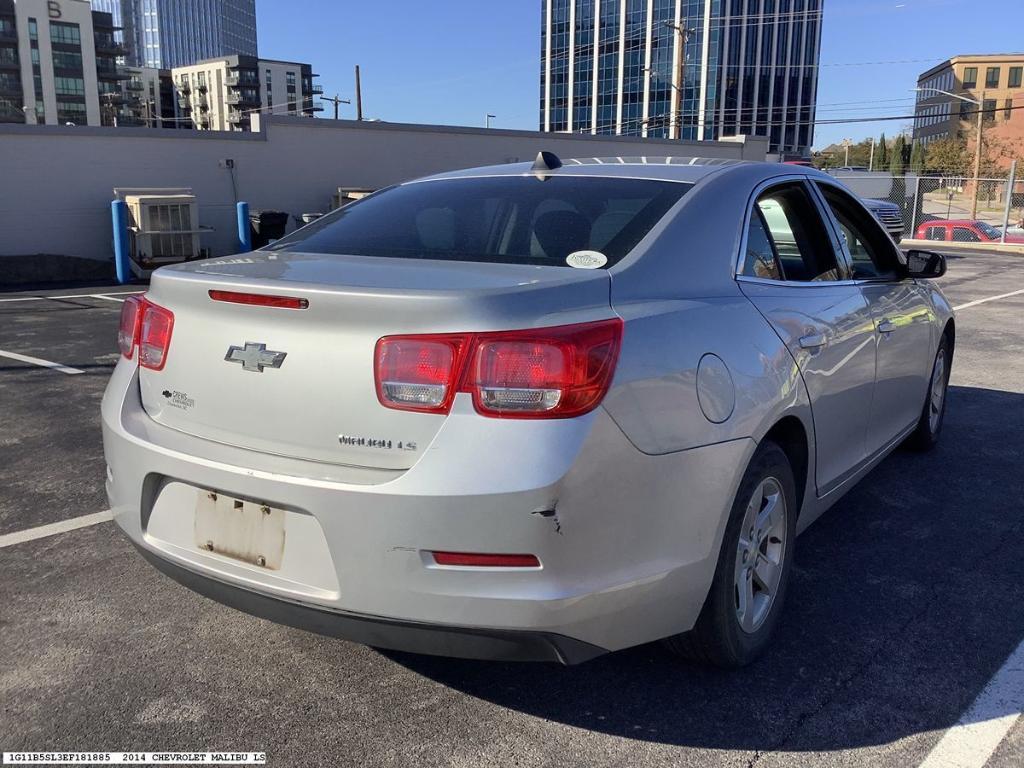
(944,207)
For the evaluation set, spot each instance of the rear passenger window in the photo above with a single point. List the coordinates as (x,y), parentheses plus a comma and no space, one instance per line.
(935,233)
(786,239)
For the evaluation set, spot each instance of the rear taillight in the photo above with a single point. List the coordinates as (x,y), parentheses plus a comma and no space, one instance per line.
(128,332)
(154,335)
(539,373)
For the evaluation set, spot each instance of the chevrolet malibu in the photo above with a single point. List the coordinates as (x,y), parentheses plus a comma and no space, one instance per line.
(533,411)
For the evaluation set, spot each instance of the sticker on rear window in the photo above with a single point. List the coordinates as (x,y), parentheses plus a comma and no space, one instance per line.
(586,259)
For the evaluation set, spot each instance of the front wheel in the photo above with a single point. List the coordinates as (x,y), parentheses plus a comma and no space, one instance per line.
(745,600)
(929,426)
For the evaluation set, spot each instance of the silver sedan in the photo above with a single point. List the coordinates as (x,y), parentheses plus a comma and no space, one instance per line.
(528,411)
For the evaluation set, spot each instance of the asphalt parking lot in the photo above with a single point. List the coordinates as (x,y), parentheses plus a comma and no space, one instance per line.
(907,599)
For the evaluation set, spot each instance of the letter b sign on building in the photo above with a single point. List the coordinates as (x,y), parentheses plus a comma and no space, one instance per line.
(53,9)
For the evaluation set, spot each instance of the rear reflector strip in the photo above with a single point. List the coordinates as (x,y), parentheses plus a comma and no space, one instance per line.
(480,560)
(260,300)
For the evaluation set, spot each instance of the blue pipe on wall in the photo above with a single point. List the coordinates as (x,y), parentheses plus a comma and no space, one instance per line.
(244,235)
(119,221)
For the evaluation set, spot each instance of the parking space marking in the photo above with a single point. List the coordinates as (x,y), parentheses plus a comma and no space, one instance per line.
(40,362)
(988,298)
(108,298)
(71,296)
(52,529)
(971,742)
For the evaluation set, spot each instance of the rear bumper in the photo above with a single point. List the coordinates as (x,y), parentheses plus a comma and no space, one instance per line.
(378,632)
(627,559)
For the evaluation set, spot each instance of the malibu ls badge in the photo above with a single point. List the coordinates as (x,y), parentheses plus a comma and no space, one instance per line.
(255,357)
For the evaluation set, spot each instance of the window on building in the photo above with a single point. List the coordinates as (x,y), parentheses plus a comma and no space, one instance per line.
(66,34)
(970,77)
(990,109)
(67,60)
(33,30)
(71,112)
(1015,77)
(1007,109)
(289,81)
(69,86)
(992,77)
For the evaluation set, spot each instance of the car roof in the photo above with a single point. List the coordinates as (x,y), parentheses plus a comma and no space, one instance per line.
(661,168)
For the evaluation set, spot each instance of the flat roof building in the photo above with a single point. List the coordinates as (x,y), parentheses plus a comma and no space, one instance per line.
(219,94)
(994,79)
(690,69)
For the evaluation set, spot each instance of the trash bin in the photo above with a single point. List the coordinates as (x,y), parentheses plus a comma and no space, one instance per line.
(266,226)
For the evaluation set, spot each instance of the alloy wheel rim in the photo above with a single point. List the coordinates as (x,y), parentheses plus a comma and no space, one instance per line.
(759,555)
(937,392)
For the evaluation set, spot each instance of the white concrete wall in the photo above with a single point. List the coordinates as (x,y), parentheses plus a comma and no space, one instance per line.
(56,183)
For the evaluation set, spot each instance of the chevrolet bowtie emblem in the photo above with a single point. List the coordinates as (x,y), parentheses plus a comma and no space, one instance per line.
(255,357)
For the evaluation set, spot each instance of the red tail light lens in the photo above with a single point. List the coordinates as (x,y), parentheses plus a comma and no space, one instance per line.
(154,335)
(481,560)
(556,372)
(260,299)
(418,373)
(128,332)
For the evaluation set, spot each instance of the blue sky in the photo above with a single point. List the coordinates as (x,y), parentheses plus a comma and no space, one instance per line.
(452,61)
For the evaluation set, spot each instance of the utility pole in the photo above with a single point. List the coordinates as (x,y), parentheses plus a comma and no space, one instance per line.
(977,155)
(682,38)
(336,101)
(487,120)
(846,146)
(359,96)
(871,160)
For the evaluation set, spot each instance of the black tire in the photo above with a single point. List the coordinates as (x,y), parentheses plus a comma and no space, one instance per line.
(926,435)
(717,638)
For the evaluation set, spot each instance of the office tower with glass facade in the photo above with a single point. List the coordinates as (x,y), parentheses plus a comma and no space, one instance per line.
(689,69)
(175,33)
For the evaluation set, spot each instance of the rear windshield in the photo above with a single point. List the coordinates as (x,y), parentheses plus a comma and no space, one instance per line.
(509,219)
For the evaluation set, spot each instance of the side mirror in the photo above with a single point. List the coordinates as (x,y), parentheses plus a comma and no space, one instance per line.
(925,264)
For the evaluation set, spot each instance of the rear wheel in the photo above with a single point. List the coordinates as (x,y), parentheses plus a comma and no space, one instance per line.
(745,600)
(929,426)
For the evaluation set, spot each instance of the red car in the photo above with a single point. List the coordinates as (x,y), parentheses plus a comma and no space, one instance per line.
(962,231)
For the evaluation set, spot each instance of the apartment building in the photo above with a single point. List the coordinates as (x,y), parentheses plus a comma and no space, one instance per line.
(993,80)
(219,94)
(690,69)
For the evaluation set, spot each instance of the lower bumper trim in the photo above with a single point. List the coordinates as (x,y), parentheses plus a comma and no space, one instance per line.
(392,634)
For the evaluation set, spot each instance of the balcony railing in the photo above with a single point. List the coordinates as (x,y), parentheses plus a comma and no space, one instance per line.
(234,116)
(135,85)
(317,90)
(232,79)
(183,88)
(232,98)
(184,102)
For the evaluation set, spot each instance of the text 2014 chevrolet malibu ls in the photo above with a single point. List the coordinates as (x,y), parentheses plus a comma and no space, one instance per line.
(528,411)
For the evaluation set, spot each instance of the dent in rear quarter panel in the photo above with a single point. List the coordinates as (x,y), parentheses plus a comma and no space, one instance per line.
(654,395)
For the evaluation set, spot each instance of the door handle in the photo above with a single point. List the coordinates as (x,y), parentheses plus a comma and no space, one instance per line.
(886,326)
(812,341)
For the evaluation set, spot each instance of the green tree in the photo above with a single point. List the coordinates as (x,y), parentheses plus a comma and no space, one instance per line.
(948,156)
(898,163)
(917,157)
(881,153)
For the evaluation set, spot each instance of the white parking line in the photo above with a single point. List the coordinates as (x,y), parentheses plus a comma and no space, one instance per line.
(108,298)
(971,742)
(39,361)
(72,296)
(52,529)
(988,298)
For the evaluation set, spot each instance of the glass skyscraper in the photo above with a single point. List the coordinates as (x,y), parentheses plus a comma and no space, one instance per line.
(176,33)
(689,69)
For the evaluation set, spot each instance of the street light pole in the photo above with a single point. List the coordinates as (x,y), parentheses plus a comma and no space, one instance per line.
(977,155)
(682,38)
(487,120)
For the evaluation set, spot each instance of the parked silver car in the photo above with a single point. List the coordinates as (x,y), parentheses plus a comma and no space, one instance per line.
(527,411)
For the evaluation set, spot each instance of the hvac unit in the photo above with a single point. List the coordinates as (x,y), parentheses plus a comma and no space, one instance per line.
(163,227)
